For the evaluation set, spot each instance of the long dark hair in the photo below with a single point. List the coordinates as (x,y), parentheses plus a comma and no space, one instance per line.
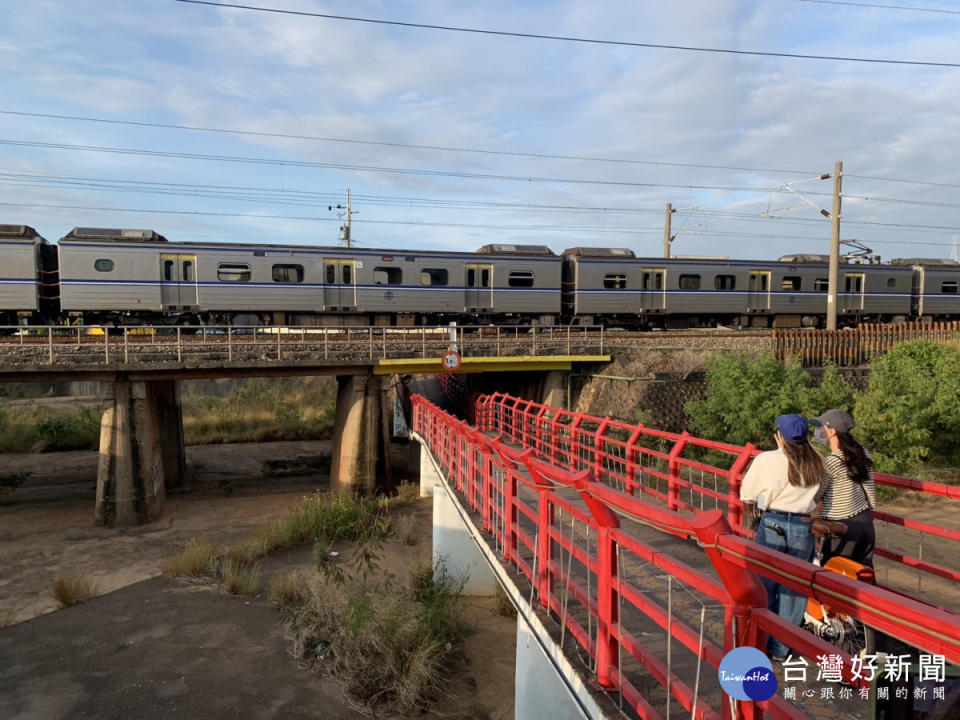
(854,457)
(804,464)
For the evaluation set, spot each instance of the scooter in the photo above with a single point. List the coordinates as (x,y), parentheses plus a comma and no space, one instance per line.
(826,622)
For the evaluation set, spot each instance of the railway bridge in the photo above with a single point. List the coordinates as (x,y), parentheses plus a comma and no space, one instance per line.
(623,550)
(141,436)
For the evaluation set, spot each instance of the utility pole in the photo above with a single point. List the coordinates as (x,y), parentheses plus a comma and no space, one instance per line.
(667,237)
(345,229)
(834,274)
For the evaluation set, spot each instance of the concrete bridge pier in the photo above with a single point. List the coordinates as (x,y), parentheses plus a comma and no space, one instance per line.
(141,451)
(361,436)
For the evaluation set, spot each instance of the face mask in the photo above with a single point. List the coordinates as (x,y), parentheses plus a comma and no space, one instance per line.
(820,435)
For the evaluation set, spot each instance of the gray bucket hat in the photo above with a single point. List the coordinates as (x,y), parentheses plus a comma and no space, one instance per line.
(837,419)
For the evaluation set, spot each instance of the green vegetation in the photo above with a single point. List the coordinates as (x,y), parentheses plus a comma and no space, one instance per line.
(73,590)
(239,579)
(909,414)
(219,411)
(31,429)
(198,558)
(390,648)
(745,395)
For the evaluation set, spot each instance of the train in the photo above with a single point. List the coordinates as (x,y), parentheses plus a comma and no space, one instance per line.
(112,277)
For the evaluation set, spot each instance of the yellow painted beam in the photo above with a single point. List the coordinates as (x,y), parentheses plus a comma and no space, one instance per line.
(521,363)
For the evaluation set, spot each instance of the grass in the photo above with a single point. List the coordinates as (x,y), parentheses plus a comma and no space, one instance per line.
(198,558)
(289,590)
(406,530)
(73,590)
(241,579)
(505,607)
(391,649)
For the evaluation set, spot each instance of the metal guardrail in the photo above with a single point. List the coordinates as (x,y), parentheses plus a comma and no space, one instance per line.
(561,528)
(106,346)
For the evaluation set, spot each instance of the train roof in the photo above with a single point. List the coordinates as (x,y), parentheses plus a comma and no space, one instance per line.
(500,249)
(117,234)
(924,261)
(600,252)
(20,231)
(804,258)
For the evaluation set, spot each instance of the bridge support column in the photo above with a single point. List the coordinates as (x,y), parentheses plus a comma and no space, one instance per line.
(538,684)
(141,451)
(361,434)
(454,544)
(555,389)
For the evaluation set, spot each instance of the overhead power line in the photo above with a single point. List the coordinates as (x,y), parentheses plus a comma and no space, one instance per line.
(565,38)
(883,7)
(410,146)
(369,168)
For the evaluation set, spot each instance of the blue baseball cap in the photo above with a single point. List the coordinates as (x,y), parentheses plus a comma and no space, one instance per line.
(794,428)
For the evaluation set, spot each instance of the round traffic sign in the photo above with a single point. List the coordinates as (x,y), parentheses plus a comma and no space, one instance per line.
(450,360)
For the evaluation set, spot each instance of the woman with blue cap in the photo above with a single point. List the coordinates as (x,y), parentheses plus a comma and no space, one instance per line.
(848,492)
(783,484)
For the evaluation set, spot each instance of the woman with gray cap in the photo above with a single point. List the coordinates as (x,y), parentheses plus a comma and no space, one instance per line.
(848,492)
(784,482)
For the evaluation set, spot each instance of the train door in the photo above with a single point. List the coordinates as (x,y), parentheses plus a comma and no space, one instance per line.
(853,286)
(654,287)
(478,286)
(340,284)
(758,291)
(178,281)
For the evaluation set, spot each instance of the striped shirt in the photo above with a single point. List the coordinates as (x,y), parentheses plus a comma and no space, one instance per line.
(842,497)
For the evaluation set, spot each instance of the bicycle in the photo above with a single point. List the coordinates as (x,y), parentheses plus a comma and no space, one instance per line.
(837,628)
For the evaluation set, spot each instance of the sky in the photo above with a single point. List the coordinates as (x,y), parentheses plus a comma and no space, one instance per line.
(451,140)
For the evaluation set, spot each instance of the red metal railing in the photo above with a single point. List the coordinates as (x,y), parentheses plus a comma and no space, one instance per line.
(667,466)
(524,502)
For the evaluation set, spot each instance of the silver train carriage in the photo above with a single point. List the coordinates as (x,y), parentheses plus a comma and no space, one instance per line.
(119,275)
(21,248)
(613,283)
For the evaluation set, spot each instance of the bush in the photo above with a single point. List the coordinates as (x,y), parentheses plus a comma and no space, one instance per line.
(76,431)
(910,411)
(72,590)
(744,396)
(198,557)
(241,579)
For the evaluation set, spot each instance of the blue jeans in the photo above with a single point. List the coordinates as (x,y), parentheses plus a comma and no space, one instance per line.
(789,534)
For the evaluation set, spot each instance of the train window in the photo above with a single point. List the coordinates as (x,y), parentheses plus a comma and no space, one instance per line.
(689,282)
(103,265)
(485,277)
(949,287)
(168,269)
(725,282)
(520,279)
(233,272)
(653,281)
(891,282)
(433,276)
(614,282)
(790,283)
(331,274)
(387,276)
(347,274)
(187,271)
(853,284)
(471,278)
(821,285)
(288,273)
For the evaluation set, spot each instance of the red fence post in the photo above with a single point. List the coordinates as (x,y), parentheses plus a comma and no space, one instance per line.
(607,618)
(598,450)
(673,488)
(574,463)
(744,587)
(539,440)
(734,508)
(631,472)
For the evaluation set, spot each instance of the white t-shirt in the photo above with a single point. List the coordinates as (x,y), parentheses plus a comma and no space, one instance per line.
(766,484)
